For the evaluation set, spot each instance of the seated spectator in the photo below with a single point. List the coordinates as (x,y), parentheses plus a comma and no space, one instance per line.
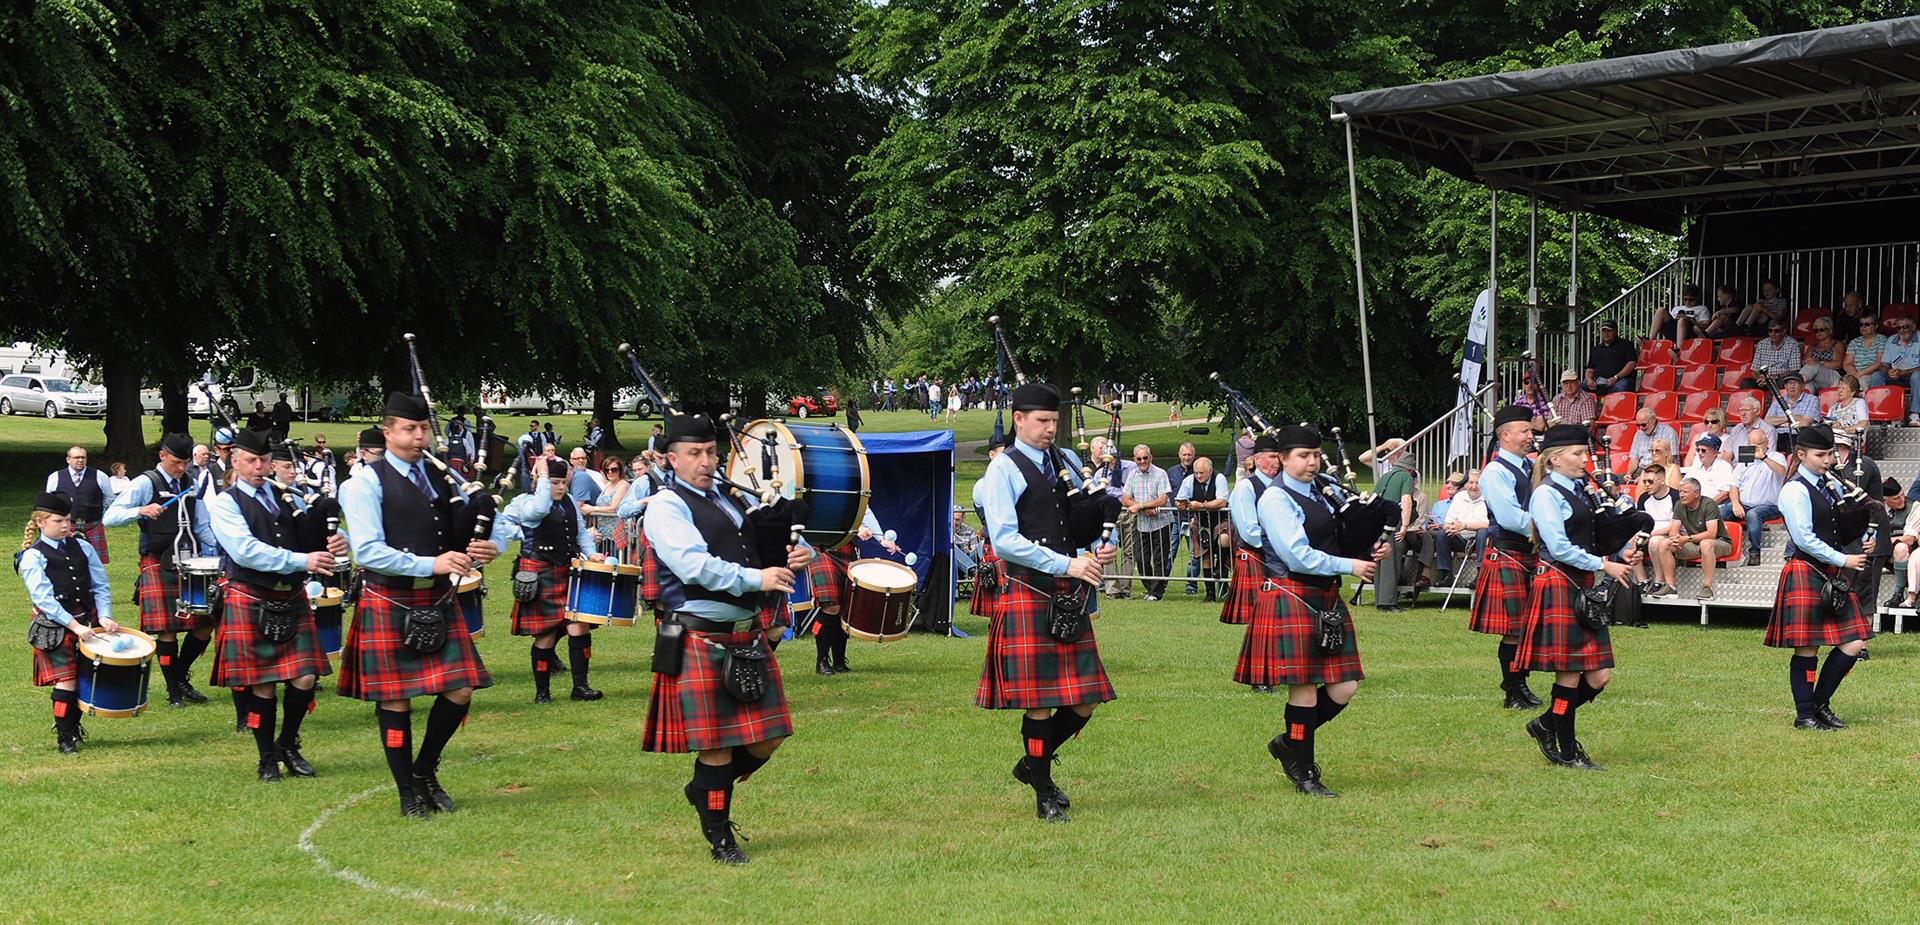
(1646,430)
(1746,412)
(1853,307)
(1662,456)
(1656,498)
(1756,488)
(1722,321)
(1694,535)
(1802,406)
(1774,355)
(1573,405)
(1904,541)
(1535,400)
(1465,528)
(1822,357)
(966,543)
(1849,412)
(1682,321)
(1900,361)
(1768,310)
(1714,424)
(1864,359)
(1714,474)
(1611,362)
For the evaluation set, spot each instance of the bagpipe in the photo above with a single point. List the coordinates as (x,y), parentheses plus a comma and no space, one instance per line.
(315,525)
(1002,359)
(1854,512)
(1250,419)
(1364,518)
(474,519)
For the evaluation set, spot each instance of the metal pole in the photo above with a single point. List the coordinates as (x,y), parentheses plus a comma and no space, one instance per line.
(1573,290)
(1493,298)
(1360,281)
(1533,276)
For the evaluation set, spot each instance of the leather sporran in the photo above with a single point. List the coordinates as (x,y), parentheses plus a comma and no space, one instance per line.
(526,585)
(1068,620)
(424,629)
(275,621)
(45,634)
(1595,607)
(744,671)
(1836,598)
(1333,630)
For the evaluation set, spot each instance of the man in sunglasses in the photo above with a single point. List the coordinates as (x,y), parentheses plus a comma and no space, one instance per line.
(1147,496)
(1901,361)
(1774,356)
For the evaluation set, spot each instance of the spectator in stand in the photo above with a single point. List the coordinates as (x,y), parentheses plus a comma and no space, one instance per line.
(1682,321)
(1853,307)
(1534,398)
(1611,362)
(1381,457)
(1713,474)
(1148,497)
(1746,411)
(1656,498)
(1714,424)
(1694,535)
(1765,312)
(1901,361)
(1466,526)
(1822,357)
(1864,353)
(1905,541)
(1756,488)
(1662,456)
(1724,321)
(1573,405)
(1647,430)
(1177,477)
(1849,412)
(1802,405)
(1774,355)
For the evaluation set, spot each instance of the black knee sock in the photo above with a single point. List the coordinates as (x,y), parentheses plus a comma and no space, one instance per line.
(1508,676)
(240,700)
(746,762)
(579,650)
(190,649)
(1065,724)
(1831,674)
(66,711)
(840,646)
(260,721)
(442,722)
(1326,710)
(542,669)
(1560,711)
(1038,751)
(1587,692)
(168,655)
(396,737)
(298,704)
(822,639)
(711,793)
(1801,670)
(1300,723)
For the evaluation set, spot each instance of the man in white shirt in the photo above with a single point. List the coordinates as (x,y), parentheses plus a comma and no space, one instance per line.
(1465,527)
(1714,474)
(1756,488)
(1656,498)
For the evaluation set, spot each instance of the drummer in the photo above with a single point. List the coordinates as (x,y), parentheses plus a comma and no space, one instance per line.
(552,534)
(68,586)
(155,500)
(828,577)
(266,571)
(711,584)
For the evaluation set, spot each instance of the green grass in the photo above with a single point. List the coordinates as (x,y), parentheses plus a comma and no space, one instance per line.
(893,799)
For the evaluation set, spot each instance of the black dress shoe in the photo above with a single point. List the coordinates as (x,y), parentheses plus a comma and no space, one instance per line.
(1388,608)
(296,765)
(1048,809)
(1020,774)
(822,668)
(1809,722)
(1263,688)
(1544,737)
(587,693)
(1753,558)
(1578,759)
(723,843)
(1527,694)
(176,699)
(1515,700)
(413,807)
(1824,713)
(191,695)
(269,769)
(1282,751)
(1863,656)
(69,745)
(542,697)
(427,785)
(1309,783)
(840,666)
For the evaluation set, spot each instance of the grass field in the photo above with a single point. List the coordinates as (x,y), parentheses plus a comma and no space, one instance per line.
(893,800)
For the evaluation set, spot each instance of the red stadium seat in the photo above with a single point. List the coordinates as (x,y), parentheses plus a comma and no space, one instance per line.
(1622,462)
(1664,405)
(1735,351)
(1804,318)
(1886,403)
(1619,407)
(1694,407)
(1657,379)
(1896,311)
(1619,434)
(1696,351)
(1656,352)
(1758,395)
(1699,379)
(1730,378)
(1734,530)
(1827,399)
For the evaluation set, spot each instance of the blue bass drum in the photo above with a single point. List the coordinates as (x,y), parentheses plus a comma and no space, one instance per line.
(114,668)
(822,464)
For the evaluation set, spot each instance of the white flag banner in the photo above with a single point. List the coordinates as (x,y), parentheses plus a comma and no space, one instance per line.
(1471,358)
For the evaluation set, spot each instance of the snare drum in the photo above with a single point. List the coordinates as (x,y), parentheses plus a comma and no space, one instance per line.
(626,595)
(590,592)
(199,584)
(470,595)
(329,610)
(879,600)
(113,674)
(800,600)
(825,464)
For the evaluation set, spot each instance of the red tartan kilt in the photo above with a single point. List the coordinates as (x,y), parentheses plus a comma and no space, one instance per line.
(828,578)
(1027,669)
(1553,639)
(158,592)
(692,711)
(649,568)
(376,665)
(61,664)
(1282,644)
(548,609)
(1237,608)
(242,658)
(97,535)
(985,576)
(1799,618)
(1500,592)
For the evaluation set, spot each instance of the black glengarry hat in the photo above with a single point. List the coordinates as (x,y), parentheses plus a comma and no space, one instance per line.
(405,407)
(1564,435)
(1036,396)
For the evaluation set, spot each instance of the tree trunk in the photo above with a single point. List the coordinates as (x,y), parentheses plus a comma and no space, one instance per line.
(603,411)
(120,373)
(174,417)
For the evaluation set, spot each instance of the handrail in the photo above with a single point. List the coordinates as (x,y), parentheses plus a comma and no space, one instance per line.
(1631,290)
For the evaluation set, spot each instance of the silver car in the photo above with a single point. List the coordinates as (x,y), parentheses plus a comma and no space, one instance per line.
(49,398)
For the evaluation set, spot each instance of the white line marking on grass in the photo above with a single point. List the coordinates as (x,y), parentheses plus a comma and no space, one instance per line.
(348,874)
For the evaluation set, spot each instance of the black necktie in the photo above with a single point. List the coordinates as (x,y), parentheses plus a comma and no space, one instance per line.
(1526,468)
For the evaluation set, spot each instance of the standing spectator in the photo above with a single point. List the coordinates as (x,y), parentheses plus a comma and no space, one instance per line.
(1147,496)
(1465,528)
(935,403)
(892,394)
(260,420)
(1774,356)
(595,436)
(1611,362)
(90,492)
(1381,457)
(1173,413)
(853,414)
(1849,412)
(1864,359)
(1756,489)
(1242,454)
(1902,361)
(1177,477)
(552,439)
(583,484)
(873,390)
(1713,474)
(953,405)
(1399,487)
(1822,357)
(1746,410)
(1646,430)
(1682,321)
(1573,405)
(1802,407)
(1693,535)
(1768,310)
(1203,497)
(119,480)
(282,418)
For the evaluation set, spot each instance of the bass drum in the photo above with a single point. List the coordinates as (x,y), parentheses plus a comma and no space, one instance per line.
(822,464)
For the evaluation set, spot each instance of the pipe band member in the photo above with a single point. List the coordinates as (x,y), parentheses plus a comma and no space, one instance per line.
(68,585)
(831,591)
(1501,589)
(1057,684)
(552,534)
(398,517)
(1800,620)
(1243,511)
(166,507)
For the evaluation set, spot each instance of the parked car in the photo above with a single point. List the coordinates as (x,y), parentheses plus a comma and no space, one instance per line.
(625,402)
(808,406)
(50,398)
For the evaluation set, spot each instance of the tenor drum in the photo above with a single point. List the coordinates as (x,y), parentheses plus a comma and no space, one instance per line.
(590,592)
(329,609)
(470,595)
(800,600)
(626,595)
(822,464)
(879,600)
(113,670)
(199,584)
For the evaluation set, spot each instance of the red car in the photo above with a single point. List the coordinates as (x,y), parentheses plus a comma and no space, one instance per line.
(807,406)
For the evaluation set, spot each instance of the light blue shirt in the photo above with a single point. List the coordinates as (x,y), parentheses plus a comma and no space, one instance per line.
(360,500)
(677,542)
(1796,508)
(238,542)
(1901,356)
(525,512)
(996,493)
(126,509)
(1549,511)
(581,487)
(637,498)
(1219,488)
(33,570)
(1284,525)
(1502,490)
(1807,406)
(1242,506)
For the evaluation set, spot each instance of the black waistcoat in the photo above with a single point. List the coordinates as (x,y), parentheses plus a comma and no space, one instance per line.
(1203,491)
(88,503)
(1323,533)
(1504,538)
(269,529)
(724,540)
(157,533)
(1579,524)
(1260,486)
(1037,511)
(67,571)
(411,522)
(555,540)
(1826,525)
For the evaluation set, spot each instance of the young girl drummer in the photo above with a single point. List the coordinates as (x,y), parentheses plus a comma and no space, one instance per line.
(1554,639)
(68,586)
